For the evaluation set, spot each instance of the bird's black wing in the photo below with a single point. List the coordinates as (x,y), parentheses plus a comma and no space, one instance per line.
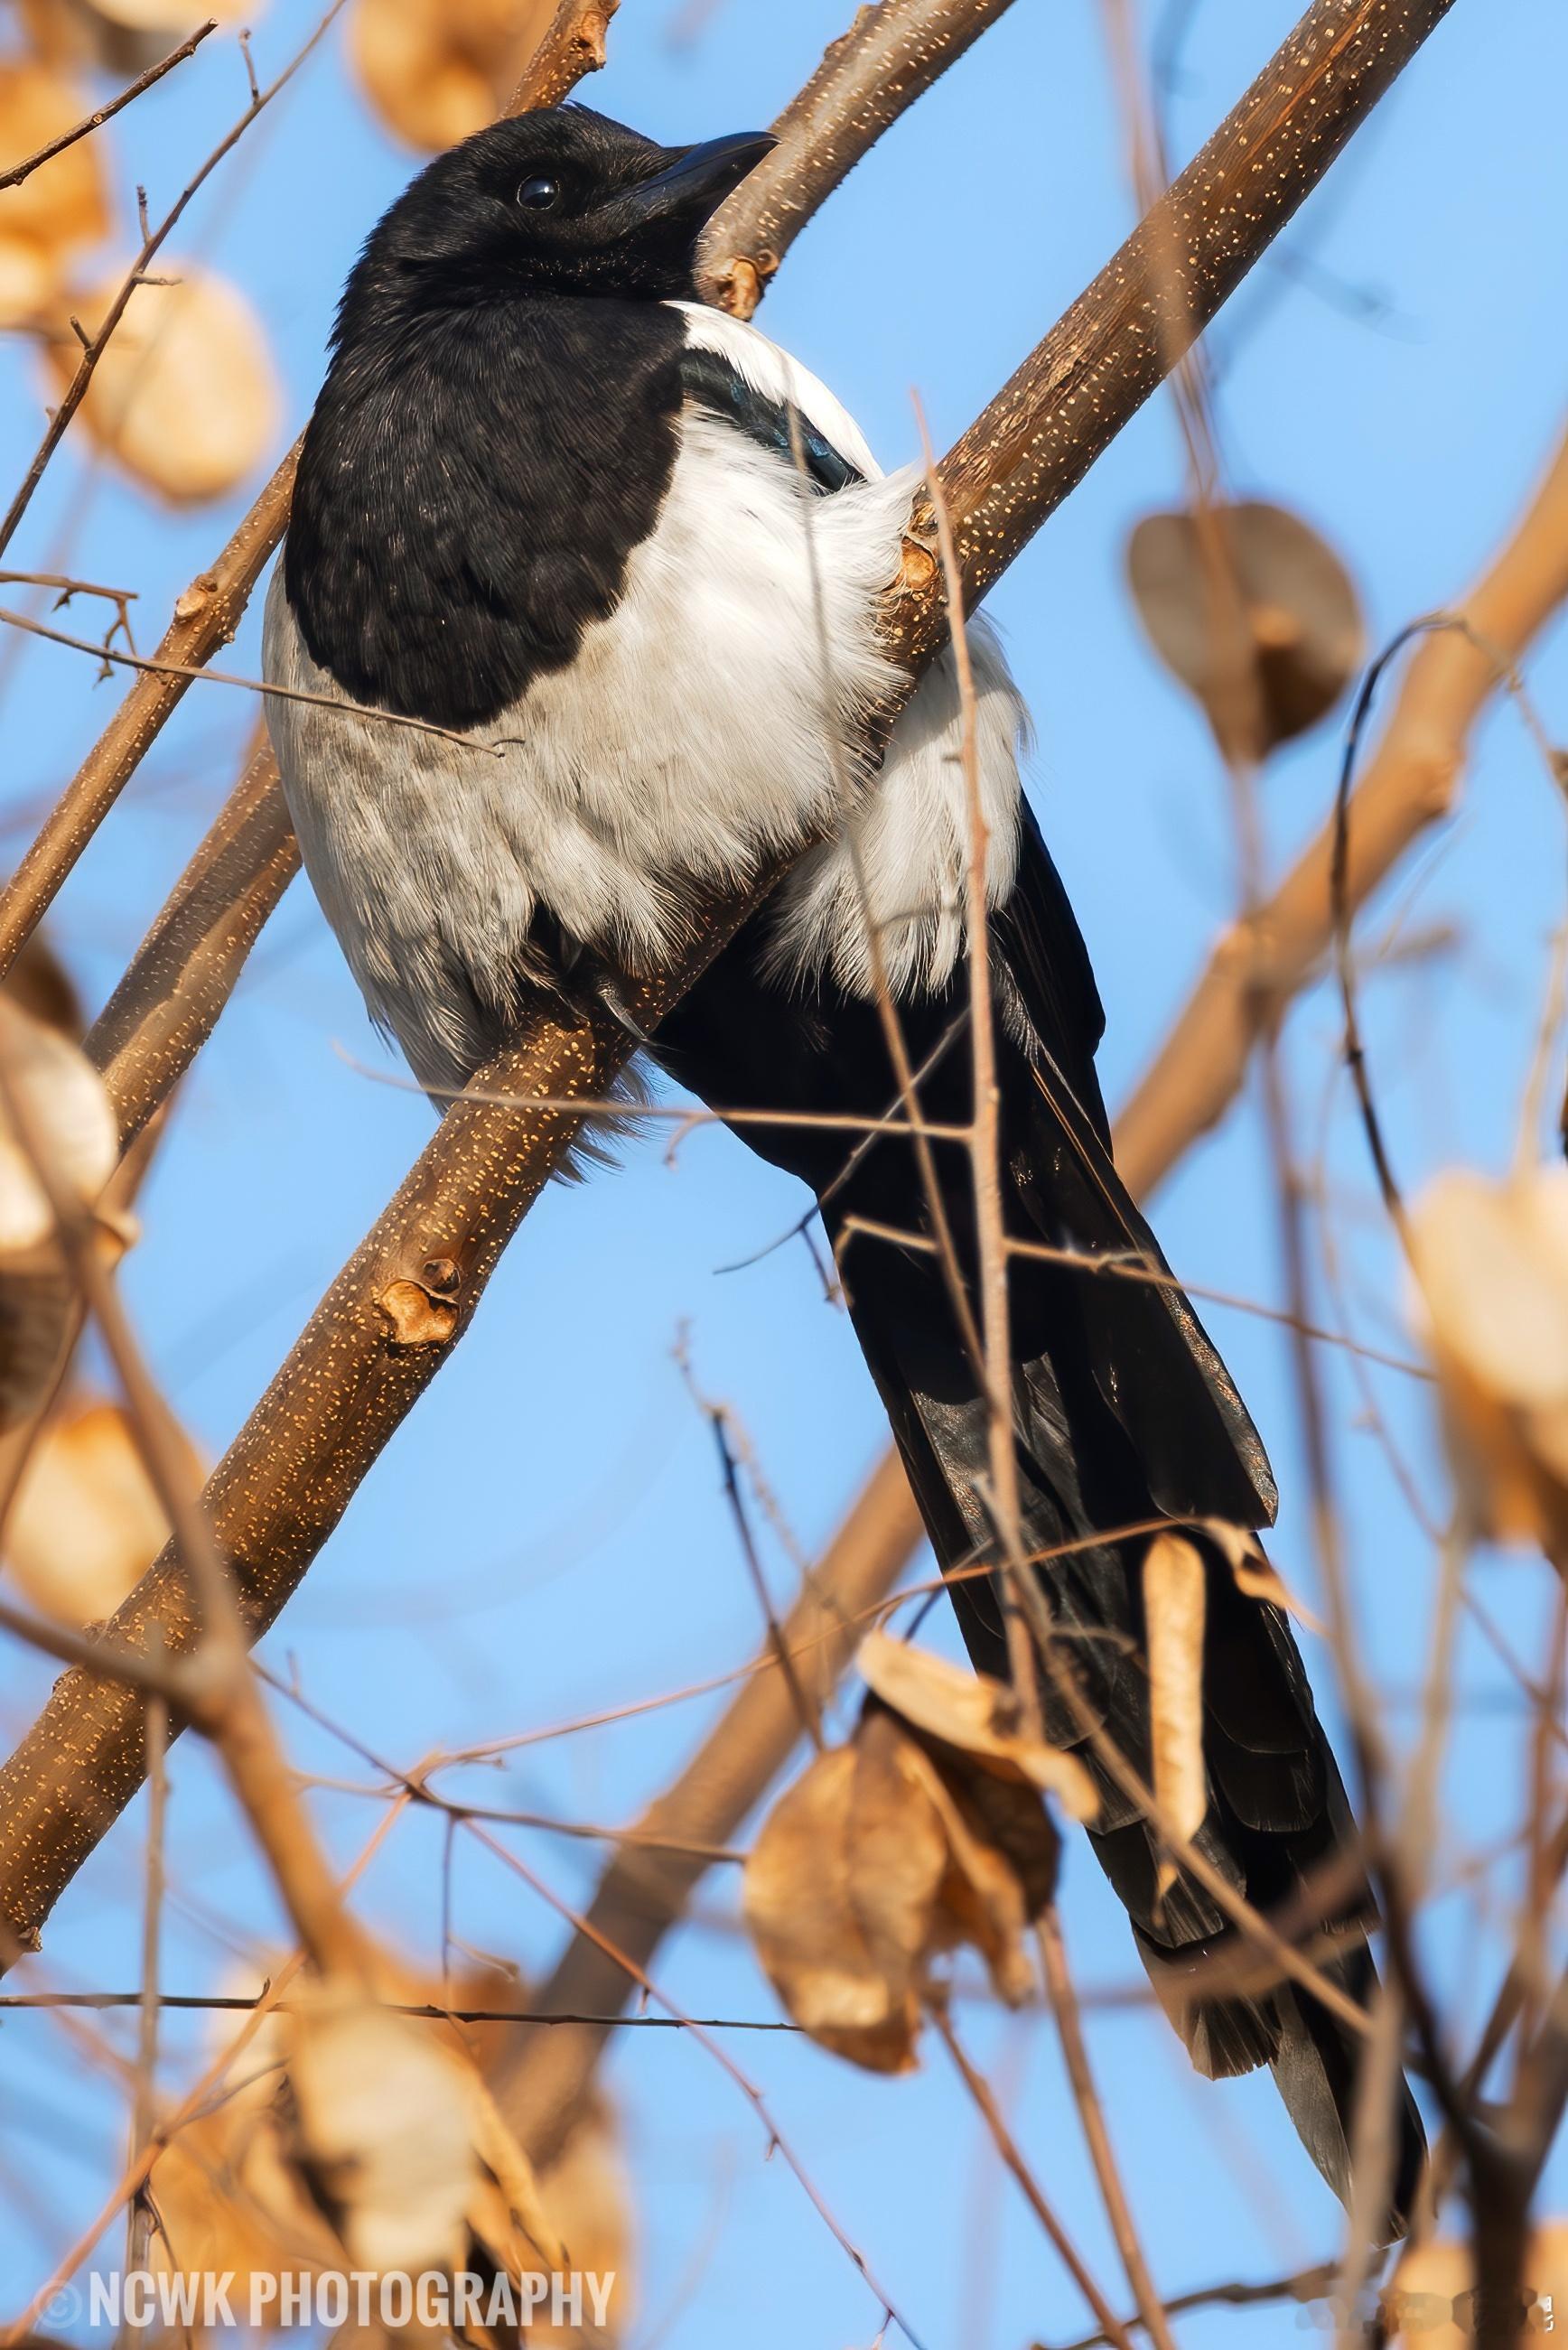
(708,378)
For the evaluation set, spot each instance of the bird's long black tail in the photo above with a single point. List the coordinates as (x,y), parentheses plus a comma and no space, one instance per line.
(1278,1827)
(1124,1415)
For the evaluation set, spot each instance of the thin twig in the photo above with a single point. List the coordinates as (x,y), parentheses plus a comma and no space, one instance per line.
(360,1368)
(152,240)
(974,2081)
(13,176)
(138,2237)
(1305,2285)
(718,1418)
(1064,2000)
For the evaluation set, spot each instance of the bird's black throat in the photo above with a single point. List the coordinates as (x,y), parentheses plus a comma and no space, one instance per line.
(472,486)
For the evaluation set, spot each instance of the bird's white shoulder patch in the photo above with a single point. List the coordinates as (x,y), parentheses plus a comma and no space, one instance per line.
(896,868)
(771,371)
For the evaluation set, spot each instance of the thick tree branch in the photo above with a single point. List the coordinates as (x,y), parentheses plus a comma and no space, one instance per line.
(890,56)
(167,1005)
(392,1316)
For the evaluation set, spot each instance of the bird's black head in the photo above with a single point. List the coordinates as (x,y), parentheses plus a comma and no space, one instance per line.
(560,202)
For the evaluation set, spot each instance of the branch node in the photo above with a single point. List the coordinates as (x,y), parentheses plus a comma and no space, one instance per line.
(192,601)
(916,564)
(740,283)
(419,1316)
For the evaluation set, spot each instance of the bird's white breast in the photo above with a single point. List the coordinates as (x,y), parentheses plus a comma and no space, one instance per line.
(714,716)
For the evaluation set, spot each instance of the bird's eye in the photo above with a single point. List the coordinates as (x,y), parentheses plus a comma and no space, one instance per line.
(538,195)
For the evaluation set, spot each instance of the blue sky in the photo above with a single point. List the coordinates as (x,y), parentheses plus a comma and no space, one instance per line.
(546,1536)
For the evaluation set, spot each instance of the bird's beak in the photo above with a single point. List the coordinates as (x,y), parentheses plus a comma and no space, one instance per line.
(694,186)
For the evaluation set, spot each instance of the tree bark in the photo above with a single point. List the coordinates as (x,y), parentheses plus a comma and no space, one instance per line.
(394,1313)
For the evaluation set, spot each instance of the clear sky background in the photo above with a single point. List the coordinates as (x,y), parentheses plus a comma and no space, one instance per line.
(547,1537)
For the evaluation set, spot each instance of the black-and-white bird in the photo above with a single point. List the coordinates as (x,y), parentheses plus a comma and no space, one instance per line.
(547,498)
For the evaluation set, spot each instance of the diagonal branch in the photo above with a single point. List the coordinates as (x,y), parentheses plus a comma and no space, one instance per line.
(394,1313)
(1275,951)
(17,172)
(643,1892)
(209,611)
(890,56)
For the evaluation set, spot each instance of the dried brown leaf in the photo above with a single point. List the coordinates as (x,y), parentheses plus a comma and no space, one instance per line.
(384,2130)
(1248,1562)
(888,1852)
(1491,1264)
(841,1888)
(185,395)
(1304,621)
(67,1113)
(1002,1867)
(435,70)
(62,1100)
(973,1713)
(1174,1599)
(57,209)
(86,1524)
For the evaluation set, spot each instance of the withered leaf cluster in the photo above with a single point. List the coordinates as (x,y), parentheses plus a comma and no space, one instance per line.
(356,2136)
(435,70)
(927,1830)
(1490,1261)
(184,396)
(54,1111)
(84,1521)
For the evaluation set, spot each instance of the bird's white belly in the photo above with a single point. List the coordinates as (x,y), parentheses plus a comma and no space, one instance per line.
(711,718)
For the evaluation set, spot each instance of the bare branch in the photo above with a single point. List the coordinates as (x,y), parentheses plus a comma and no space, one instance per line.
(17,172)
(572,44)
(392,1316)
(1305,2285)
(870,77)
(167,1005)
(153,239)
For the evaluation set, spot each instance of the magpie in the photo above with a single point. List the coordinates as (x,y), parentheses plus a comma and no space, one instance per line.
(548,500)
